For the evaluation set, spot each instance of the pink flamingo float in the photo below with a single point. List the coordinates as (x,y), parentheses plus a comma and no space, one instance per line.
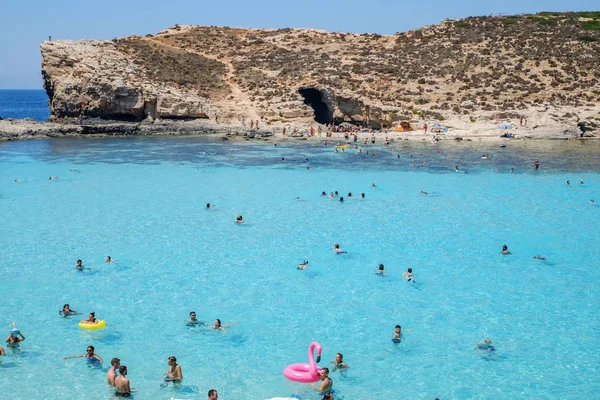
(305,373)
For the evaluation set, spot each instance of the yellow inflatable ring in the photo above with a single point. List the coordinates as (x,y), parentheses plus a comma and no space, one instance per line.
(92,327)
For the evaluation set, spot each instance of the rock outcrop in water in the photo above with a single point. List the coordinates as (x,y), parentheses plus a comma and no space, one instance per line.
(457,69)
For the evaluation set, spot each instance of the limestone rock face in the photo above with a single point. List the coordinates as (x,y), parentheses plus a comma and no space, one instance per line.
(457,69)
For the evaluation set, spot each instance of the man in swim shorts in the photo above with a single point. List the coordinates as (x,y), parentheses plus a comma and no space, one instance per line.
(115,363)
(174,373)
(326,382)
(212,394)
(408,275)
(122,383)
(397,335)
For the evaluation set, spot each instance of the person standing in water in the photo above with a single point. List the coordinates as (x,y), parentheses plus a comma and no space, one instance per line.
(174,373)
(505,250)
(326,382)
(122,383)
(339,363)
(115,363)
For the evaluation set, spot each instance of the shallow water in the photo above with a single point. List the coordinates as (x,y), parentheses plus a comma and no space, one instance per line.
(142,200)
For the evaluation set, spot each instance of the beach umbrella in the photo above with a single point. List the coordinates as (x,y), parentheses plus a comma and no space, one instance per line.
(436,125)
(505,126)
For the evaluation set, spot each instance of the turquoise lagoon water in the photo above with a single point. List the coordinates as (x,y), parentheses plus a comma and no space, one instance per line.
(142,201)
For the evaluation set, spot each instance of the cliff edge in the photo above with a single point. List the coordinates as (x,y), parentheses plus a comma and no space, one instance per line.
(460,69)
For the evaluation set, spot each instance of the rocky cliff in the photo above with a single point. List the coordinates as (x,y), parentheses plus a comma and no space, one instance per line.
(548,61)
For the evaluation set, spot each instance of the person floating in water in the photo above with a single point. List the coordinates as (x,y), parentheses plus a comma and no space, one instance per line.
(539,257)
(91,319)
(337,249)
(122,383)
(239,219)
(66,311)
(424,192)
(193,321)
(373,185)
(486,345)
(79,265)
(381,270)
(218,326)
(174,373)
(90,355)
(408,275)
(303,265)
(338,363)
(505,250)
(397,335)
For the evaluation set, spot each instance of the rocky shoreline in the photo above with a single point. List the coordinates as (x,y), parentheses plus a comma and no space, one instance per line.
(27,129)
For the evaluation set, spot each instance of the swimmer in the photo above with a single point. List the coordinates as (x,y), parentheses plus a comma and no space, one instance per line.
(327,396)
(373,185)
(91,319)
(341,199)
(499,169)
(282,159)
(79,265)
(539,257)
(66,311)
(193,321)
(486,345)
(424,192)
(349,194)
(209,206)
(339,363)
(90,355)
(592,201)
(456,168)
(218,326)
(308,168)
(505,250)
(303,265)
(326,382)
(15,336)
(381,270)
(239,219)
(115,363)
(397,335)
(408,275)
(331,195)
(337,249)
(580,182)
(336,193)
(512,170)
(122,383)
(108,259)
(2,352)
(174,373)
(213,395)
(568,182)
(323,193)
(362,195)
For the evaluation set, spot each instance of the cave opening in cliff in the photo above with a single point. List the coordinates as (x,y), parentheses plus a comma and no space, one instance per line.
(320,103)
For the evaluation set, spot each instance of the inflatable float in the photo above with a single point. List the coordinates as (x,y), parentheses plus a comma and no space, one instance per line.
(305,373)
(93,327)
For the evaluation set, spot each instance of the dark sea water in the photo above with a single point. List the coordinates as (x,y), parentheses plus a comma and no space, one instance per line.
(24,104)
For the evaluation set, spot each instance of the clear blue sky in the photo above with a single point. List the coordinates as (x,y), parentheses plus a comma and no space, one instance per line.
(26,23)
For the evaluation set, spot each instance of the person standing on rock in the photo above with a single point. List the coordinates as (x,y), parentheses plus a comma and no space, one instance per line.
(256,124)
(251,124)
